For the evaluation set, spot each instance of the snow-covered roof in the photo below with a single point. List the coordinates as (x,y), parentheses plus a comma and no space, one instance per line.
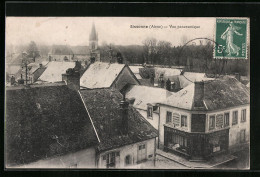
(44,63)
(100,75)
(54,71)
(145,94)
(138,76)
(192,76)
(135,69)
(182,99)
(167,72)
(231,91)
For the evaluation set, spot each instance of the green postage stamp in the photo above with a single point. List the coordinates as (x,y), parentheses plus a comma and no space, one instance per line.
(231,38)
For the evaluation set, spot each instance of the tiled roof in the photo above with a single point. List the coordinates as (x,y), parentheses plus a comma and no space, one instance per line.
(44,121)
(104,109)
(144,95)
(54,71)
(100,75)
(218,94)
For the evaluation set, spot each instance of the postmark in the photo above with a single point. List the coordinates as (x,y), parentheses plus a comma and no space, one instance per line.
(232,38)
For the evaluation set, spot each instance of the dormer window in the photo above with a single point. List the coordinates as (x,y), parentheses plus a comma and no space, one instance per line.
(150,112)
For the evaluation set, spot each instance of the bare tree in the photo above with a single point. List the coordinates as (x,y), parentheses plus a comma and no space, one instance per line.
(150,49)
(164,52)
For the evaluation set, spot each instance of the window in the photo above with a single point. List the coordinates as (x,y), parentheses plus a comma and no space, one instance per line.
(235,117)
(212,122)
(169,117)
(226,119)
(128,160)
(242,136)
(183,121)
(150,112)
(110,159)
(176,119)
(243,115)
(141,153)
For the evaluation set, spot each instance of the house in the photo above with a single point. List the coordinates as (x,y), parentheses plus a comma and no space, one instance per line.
(205,119)
(54,71)
(47,126)
(56,125)
(107,75)
(144,99)
(36,70)
(126,139)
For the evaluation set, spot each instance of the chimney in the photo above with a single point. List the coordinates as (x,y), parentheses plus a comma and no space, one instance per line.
(12,80)
(168,85)
(40,65)
(124,115)
(21,80)
(237,76)
(199,94)
(72,78)
(152,79)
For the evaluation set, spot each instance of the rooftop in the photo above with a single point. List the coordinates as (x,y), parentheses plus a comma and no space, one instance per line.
(167,72)
(218,94)
(193,76)
(54,71)
(145,94)
(104,109)
(101,75)
(44,121)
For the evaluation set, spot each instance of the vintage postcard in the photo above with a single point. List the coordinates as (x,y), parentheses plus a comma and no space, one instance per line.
(127,93)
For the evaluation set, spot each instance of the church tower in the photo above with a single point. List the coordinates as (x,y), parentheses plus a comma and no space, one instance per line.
(93,44)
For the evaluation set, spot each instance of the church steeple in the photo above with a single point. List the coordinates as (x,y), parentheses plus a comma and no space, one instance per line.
(93,35)
(93,44)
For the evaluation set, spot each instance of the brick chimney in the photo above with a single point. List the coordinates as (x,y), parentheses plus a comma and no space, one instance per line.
(199,94)
(124,115)
(72,78)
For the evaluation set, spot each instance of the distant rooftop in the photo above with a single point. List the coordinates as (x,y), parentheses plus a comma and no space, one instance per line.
(145,94)
(54,71)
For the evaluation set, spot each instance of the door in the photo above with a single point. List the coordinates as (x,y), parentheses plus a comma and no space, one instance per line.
(141,153)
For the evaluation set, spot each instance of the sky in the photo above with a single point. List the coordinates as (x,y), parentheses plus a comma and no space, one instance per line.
(116,30)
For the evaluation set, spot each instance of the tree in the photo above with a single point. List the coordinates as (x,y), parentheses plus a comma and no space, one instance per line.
(150,49)
(32,50)
(164,52)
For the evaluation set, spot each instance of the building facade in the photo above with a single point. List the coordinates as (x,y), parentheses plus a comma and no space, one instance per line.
(201,125)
